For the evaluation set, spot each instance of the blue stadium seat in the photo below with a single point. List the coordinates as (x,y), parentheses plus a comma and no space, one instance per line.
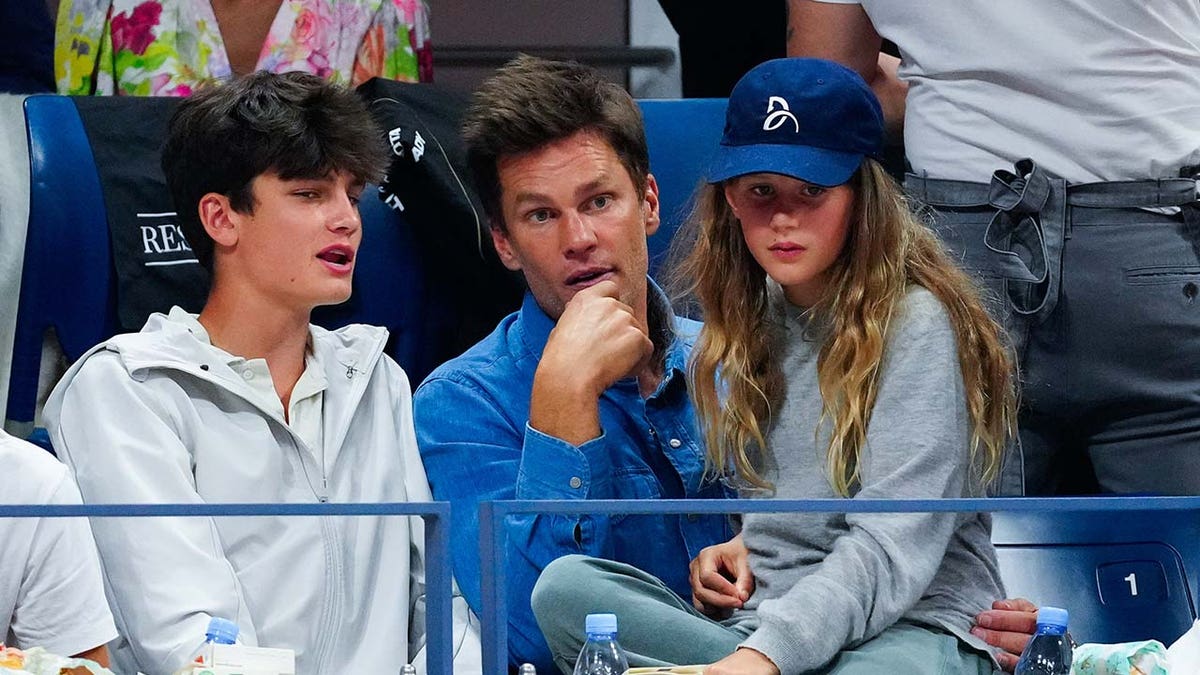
(68,280)
(682,135)
(1123,575)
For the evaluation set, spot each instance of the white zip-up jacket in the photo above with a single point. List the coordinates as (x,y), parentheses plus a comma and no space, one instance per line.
(162,416)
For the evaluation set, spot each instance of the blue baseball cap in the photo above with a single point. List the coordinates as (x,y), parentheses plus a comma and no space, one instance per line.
(810,119)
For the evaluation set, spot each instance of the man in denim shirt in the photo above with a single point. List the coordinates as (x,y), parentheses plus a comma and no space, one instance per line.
(582,393)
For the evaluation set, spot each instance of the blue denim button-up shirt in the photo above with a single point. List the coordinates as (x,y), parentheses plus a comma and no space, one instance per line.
(472,419)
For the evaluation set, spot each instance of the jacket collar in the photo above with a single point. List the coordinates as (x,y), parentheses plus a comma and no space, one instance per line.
(348,357)
(178,340)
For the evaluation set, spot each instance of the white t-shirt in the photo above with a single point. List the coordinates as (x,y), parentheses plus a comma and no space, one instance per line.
(1090,90)
(50,590)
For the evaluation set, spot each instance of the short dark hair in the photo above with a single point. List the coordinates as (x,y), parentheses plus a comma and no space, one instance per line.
(293,125)
(530,102)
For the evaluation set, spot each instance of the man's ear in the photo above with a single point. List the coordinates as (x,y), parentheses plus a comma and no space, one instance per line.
(652,206)
(504,248)
(219,219)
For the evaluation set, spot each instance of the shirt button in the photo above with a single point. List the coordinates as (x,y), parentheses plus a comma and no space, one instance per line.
(247,375)
(576,482)
(675,442)
(692,517)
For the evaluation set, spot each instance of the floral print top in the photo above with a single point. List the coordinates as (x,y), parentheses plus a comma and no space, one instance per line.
(169,47)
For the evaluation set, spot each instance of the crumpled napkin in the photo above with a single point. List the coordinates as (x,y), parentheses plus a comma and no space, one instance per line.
(1126,658)
(40,662)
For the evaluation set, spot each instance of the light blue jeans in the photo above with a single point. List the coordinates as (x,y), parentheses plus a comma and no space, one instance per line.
(659,628)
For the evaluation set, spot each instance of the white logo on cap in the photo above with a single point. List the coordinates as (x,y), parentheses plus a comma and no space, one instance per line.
(777,112)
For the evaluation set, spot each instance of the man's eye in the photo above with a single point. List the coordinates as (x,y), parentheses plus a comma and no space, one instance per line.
(539,216)
(601,201)
(307,194)
(355,199)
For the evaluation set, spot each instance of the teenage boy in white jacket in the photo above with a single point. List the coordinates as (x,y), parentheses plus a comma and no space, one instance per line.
(249,402)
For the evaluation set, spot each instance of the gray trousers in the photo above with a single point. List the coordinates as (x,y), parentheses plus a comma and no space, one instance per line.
(656,627)
(1100,299)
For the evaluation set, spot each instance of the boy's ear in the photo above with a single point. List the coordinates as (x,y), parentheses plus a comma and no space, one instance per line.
(219,219)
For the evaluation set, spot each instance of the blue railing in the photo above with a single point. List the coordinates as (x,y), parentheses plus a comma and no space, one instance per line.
(493,540)
(493,536)
(438,626)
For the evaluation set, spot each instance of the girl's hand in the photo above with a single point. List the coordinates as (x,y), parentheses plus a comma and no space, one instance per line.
(744,661)
(721,578)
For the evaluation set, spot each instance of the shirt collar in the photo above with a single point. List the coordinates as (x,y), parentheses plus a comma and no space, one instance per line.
(311,380)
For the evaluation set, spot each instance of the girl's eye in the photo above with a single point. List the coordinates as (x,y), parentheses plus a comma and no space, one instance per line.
(813,190)
(762,190)
(355,199)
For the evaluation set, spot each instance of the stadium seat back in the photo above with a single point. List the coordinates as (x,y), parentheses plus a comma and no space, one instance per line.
(1123,575)
(682,135)
(67,278)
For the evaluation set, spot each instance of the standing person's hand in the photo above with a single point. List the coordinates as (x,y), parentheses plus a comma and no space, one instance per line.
(1008,625)
(721,578)
(744,661)
(596,342)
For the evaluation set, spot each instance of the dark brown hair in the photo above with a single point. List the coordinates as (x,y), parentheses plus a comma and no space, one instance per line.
(530,102)
(293,125)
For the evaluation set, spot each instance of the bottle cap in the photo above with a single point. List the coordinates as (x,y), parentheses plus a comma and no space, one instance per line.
(1052,616)
(222,631)
(600,623)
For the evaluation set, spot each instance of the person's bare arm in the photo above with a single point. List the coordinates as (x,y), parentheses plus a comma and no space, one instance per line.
(844,33)
(97,654)
(1008,625)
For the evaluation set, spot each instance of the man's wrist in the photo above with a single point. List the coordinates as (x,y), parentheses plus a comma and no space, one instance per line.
(564,407)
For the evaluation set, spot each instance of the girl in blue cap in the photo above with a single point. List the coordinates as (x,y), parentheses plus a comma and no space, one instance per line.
(843,354)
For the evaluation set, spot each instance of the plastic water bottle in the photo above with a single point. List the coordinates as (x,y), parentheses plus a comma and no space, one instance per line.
(1049,651)
(601,655)
(220,632)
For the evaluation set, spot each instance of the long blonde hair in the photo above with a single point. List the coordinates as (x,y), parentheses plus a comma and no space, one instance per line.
(734,376)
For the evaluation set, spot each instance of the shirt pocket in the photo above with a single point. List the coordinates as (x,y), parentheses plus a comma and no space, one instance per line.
(634,483)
